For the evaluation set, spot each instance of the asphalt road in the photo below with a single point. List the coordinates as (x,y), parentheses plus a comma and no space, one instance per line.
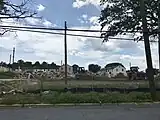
(109,112)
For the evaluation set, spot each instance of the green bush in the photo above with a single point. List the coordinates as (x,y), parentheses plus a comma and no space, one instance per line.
(92,97)
(139,96)
(7,75)
(20,99)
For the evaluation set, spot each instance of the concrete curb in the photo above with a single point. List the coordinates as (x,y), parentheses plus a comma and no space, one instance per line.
(78,104)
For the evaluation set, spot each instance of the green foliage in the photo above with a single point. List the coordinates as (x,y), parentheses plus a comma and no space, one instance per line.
(157,78)
(7,75)
(93,97)
(120,75)
(29,65)
(19,11)
(124,15)
(20,99)
(1,4)
(94,68)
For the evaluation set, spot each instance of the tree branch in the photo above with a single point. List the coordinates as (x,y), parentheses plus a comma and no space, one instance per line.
(5,30)
(10,10)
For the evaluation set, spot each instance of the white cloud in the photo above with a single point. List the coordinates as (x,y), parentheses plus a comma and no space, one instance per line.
(33,21)
(40,8)
(94,20)
(48,23)
(83,19)
(81,3)
(85,16)
(78,3)
(49,47)
(37,22)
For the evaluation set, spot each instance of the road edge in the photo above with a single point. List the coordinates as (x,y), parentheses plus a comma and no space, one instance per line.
(77,104)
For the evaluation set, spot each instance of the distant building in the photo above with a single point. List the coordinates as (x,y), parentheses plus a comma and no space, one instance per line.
(77,69)
(34,69)
(4,69)
(113,69)
(102,72)
(18,69)
(45,70)
(69,69)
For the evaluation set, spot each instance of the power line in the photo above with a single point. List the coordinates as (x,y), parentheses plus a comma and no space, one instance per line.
(62,29)
(100,31)
(78,35)
(24,27)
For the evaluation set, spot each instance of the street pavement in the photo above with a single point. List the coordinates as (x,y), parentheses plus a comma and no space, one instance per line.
(107,112)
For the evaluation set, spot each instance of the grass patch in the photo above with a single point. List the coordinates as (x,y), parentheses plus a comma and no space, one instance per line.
(7,75)
(92,97)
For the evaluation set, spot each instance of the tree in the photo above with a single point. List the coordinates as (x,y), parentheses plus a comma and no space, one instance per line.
(75,68)
(128,17)
(3,64)
(9,10)
(20,63)
(52,65)
(133,16)
(28,64)
(94,68)
(37,64)
(15,66)
(44,65)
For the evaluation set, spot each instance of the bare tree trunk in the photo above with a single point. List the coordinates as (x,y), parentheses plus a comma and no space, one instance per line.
(150,75)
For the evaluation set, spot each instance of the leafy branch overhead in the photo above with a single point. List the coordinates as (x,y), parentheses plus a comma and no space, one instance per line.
(10,10)
(124,15)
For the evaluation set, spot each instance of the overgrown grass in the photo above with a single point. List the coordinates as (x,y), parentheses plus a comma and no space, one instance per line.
(93,97)
(7,75)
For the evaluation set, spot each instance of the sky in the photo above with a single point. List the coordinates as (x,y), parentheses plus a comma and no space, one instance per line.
(79,14)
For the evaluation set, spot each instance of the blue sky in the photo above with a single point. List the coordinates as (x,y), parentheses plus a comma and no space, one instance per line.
(83,51)
(58,11)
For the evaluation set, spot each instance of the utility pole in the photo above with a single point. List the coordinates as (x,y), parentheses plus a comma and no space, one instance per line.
(13,54)
(149,71)
(10,57)
(159,32)
(65,51)
(130,65)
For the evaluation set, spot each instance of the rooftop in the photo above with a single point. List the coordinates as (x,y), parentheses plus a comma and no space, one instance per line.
(113,65)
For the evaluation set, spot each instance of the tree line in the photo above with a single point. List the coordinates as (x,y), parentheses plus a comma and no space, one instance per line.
(44,65)
(29,65)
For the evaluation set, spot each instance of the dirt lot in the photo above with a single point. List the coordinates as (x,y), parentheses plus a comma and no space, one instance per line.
(59,84)
(84,84)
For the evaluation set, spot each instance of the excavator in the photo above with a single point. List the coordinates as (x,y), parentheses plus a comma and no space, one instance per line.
(134,74)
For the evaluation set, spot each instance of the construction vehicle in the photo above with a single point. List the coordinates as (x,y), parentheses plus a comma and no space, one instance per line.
(134,74)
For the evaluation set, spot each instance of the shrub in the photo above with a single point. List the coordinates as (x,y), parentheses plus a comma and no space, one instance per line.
(120,75)
(92,97)
(7,75)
